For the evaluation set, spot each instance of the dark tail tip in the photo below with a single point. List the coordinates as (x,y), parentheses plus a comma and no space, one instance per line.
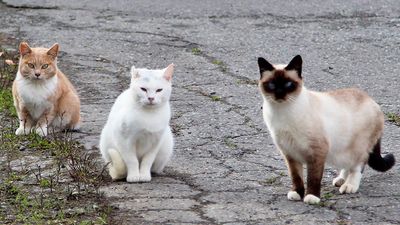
(378,163)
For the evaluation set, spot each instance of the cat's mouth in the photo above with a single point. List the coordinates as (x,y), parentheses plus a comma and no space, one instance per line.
(150,104)
(36,77)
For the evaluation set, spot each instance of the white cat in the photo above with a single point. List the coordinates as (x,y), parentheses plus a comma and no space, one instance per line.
(137,138)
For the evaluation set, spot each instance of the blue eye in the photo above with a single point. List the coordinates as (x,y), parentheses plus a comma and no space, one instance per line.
(271,86)
(289,84)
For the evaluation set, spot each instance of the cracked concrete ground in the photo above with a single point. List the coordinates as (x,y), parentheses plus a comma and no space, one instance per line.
(225,169)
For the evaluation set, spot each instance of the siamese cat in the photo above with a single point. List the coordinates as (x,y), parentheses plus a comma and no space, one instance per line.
(342,128)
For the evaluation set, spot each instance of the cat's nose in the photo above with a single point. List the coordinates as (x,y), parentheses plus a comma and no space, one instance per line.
(37,74)
(151,99)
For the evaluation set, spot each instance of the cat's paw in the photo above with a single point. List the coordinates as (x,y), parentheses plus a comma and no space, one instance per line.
(348,188)
(116,175)
(41,131)
(293,196)
(22,131)
(145,178)
(311,199)
(133,179)
(338,182)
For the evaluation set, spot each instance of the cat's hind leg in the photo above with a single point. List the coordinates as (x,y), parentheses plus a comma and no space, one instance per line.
(352,182)
(164,154)
(69,112)
(296,173)
(116,168)
(339,180)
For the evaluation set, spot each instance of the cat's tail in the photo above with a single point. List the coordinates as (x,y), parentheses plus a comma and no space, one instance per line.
(376,161)
(117,168)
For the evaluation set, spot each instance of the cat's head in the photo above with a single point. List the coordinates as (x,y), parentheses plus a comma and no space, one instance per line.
(37,63)
(152,88)
(280,83)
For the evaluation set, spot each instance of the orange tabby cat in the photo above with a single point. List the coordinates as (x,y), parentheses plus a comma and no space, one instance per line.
(43,95)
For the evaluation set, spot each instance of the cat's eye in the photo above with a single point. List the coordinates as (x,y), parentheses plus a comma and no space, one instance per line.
(45,66)
(271,86)
(159,90)
(144,89)
(31,65)
(289,84)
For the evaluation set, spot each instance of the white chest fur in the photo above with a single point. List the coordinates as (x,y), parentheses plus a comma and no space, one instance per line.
(35,94)
(288,126)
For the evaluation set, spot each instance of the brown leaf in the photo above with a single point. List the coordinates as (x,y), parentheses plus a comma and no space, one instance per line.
(9,62)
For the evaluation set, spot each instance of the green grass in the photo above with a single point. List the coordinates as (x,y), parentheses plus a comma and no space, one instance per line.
(271,180)
(229,142)
(220,64)
(394,118)
(196,51)
(36,193)
(217,62)
(327,195)
(51,180)
(7,74)
(215,98)
(7,102)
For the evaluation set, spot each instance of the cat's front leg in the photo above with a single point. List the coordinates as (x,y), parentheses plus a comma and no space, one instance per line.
(128,154)
(25,122)
(44,122)
(315,170)
(146,163)
(296,173)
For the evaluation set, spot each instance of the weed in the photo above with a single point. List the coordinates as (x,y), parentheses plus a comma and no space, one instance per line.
(230,143)
(196,51)
(7,103)
(343,222)
(50,180)
(7,70)
(7,74)
(271,181)
(215,98)
(328,195)
(247,81)
(394,118)
(176,129)
(217,62)
(220,64)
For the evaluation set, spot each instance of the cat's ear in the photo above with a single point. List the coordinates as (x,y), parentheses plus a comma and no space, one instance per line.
(134,72)
(264,65)
(295,64)
(24,48)
(169,71)
(53,51)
